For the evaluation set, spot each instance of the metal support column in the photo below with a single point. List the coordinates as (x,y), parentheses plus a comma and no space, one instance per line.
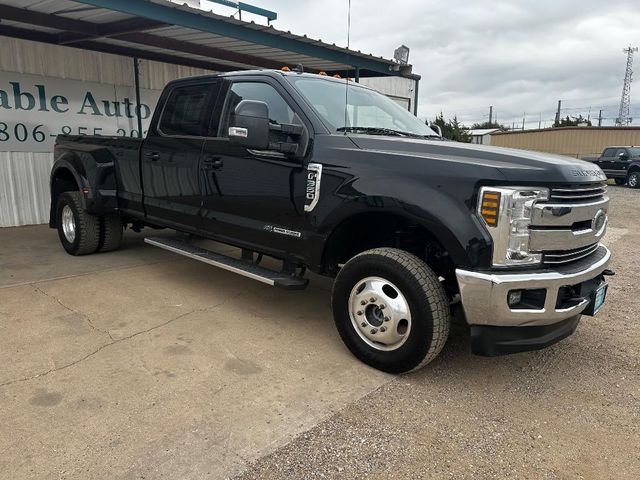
(357,74)
(415,99)
(136,82)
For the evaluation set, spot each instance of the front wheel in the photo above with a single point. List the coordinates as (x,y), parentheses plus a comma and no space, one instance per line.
(391,310)
(634,180)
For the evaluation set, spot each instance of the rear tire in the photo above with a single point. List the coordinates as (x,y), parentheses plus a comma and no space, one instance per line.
(633,180)
(391,310)
(78,230)
(620,181)
(111,233)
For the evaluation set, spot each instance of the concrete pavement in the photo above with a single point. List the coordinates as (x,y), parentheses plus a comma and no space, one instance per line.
(142,364)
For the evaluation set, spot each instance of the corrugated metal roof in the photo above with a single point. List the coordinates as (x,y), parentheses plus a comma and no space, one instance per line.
(180,31)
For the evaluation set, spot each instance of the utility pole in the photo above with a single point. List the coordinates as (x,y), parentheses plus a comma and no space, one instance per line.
(523,115)
(557,122)
(625,101)
(490,114)
(600,118)
(540,121)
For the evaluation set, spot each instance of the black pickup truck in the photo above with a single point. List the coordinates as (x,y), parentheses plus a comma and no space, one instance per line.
(330,176)
(622,164)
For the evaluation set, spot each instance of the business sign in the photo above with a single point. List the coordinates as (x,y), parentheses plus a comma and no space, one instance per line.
(35,109)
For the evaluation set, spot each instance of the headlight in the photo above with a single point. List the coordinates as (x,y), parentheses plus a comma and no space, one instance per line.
(506,211)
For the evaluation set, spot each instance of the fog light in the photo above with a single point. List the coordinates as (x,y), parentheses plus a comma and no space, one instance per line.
(514,297)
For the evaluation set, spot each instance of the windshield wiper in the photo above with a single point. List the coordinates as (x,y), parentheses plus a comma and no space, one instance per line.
(382,131)
(374,131)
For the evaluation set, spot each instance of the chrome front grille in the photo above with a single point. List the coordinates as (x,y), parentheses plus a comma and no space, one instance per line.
(579,193)
(556,257)
(570,225)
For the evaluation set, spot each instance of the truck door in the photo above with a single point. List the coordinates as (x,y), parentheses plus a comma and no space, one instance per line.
(256,197)
(620,163)
(606,160)
(171,154)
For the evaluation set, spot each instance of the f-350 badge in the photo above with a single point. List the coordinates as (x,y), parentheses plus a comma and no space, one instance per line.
(312,191)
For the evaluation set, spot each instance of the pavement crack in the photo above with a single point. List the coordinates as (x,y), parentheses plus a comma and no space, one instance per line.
(109,344)
(61,303)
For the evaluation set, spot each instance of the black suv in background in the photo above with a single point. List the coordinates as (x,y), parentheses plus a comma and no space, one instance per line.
(622,164)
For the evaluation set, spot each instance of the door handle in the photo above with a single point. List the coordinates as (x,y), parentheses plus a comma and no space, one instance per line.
(153,156)
(211,161)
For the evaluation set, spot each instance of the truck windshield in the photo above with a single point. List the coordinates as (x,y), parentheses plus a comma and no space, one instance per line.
(367,111)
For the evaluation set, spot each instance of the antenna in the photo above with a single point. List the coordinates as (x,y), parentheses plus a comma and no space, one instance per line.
(625,102)
(346,88)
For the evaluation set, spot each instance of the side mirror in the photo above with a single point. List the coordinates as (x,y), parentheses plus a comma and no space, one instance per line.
(623,156)
(249,125)
(437,129)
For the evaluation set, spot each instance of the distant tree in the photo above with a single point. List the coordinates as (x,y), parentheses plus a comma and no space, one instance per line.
(489,124)
(452,129)
(572,121)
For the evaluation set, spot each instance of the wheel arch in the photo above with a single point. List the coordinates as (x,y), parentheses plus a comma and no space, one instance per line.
(635,167)
(359,232)
(64,178)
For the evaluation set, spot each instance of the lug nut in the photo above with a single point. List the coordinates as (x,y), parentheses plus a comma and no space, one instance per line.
(359,312)
(363,324)
(386,319)
(383,306)
(374,331)
(372,299)
(383,329)
(363,302)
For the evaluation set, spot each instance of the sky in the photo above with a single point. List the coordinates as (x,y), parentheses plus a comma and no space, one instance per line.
(519,56)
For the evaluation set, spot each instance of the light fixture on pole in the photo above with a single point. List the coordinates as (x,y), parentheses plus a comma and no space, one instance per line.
(401,55)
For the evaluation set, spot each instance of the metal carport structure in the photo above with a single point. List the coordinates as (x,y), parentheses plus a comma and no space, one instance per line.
(162,31)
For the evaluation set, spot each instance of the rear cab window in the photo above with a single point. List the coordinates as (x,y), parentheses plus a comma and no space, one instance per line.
(187,111)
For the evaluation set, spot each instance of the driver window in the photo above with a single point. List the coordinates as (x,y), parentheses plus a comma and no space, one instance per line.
(619,151)
(279,111)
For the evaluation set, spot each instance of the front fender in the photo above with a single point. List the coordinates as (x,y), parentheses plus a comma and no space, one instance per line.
(447,214)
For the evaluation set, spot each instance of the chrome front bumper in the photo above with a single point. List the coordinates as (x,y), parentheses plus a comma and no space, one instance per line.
(484,295)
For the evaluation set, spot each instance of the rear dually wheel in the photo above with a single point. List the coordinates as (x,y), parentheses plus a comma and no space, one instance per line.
(78,230)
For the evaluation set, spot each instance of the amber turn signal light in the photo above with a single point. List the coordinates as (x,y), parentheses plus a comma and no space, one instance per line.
(490,207)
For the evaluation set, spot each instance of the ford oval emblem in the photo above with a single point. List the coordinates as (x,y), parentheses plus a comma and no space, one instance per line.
(599,221)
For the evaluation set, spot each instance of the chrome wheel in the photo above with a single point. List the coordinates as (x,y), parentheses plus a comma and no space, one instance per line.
(633,180)
(380,313)
(68,224)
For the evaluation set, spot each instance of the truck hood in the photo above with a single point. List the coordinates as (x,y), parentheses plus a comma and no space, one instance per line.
(515,165)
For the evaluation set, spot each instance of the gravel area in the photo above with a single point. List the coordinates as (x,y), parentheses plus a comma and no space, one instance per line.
(570,411)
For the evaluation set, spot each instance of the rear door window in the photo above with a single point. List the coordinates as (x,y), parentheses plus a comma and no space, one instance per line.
(187,110)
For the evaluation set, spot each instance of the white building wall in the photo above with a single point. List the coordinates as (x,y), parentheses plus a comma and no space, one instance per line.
(24,176)
(401,89)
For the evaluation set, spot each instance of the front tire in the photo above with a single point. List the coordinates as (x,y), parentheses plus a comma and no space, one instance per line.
(78,230)
(633,180)
(390,310)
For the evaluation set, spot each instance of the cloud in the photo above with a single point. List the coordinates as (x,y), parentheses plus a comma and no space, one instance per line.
(519,56)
